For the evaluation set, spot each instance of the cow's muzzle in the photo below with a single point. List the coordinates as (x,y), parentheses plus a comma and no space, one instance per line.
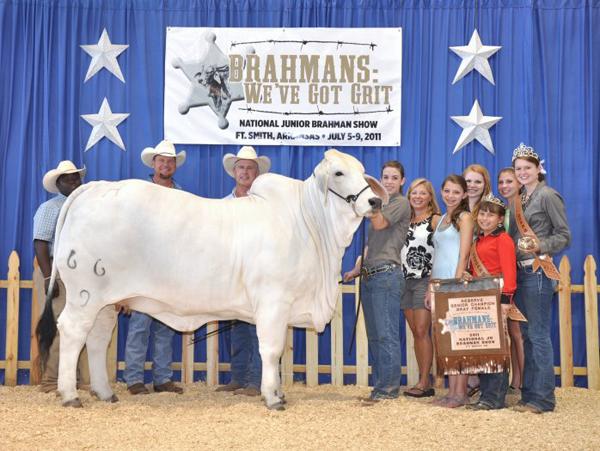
(375,203)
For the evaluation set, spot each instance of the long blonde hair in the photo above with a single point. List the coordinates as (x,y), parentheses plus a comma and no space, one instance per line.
(433,207)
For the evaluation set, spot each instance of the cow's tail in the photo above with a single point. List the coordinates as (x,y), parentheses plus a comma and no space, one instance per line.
(45,330)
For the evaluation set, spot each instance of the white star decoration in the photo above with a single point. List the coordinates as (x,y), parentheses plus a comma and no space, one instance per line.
(104,54)
(475,126)
(105,125)
(475,56)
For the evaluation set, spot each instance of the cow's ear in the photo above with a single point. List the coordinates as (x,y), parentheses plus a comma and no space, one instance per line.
(322,175)
(378,189)
(332,153)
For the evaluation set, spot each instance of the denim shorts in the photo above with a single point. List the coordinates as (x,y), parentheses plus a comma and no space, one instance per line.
(414,294)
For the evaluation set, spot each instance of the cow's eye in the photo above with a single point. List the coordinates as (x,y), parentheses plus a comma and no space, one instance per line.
(339,173)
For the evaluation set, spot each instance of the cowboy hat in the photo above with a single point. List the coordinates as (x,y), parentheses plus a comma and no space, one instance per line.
(246,153)
(165,148)
(64,167)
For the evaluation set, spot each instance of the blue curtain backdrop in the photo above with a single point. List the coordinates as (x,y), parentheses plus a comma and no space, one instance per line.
(547,91)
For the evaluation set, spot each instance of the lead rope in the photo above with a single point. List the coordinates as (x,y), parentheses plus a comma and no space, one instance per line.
(360,281)
(214,332)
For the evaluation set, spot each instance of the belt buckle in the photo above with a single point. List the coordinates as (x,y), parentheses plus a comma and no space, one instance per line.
(364,273)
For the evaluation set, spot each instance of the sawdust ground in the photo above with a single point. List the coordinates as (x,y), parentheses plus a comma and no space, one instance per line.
(325,417)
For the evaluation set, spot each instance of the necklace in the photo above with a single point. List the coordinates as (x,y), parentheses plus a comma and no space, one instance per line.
(420,218)
(525,198)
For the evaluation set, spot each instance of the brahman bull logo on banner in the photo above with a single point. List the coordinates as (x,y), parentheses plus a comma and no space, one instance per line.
(209,82)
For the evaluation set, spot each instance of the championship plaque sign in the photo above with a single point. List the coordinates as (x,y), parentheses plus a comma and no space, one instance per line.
(469,333)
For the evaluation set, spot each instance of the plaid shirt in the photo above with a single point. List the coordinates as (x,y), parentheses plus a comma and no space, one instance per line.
(45,219)
(175,184)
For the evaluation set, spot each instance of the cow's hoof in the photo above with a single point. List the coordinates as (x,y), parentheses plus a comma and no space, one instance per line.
(277,406)
(111,398)
(73,403)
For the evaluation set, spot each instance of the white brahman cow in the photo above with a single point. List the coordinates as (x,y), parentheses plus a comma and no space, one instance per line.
(272,258)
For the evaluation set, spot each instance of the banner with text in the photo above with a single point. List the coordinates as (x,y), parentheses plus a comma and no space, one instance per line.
(269,86)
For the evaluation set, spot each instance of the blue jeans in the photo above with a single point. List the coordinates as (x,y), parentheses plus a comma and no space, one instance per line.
(246,364)
(534,299)
(136,348)
(381,294)
(493,389)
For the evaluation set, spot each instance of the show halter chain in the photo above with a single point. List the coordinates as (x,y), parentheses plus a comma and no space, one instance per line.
(350,197)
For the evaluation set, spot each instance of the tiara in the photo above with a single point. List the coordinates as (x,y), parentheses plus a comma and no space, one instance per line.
(524,151)
(494,200)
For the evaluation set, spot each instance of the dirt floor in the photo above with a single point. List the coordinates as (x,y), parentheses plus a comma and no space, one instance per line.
(319,418)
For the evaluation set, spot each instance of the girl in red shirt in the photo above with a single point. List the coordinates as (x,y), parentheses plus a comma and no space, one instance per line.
(496,251)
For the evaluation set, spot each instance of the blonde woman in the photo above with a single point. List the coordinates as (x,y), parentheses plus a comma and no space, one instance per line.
(417,259)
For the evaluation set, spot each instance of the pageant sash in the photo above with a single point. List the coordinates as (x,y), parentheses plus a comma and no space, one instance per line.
(544,261)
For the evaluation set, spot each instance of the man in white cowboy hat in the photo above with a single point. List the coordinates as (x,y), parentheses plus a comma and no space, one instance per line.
(62,181)
(246,365)
(164,160)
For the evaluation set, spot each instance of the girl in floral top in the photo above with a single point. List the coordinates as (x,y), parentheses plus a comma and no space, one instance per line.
(417,257)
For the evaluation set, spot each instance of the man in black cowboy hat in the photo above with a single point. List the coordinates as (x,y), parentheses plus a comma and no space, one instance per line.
(62,181)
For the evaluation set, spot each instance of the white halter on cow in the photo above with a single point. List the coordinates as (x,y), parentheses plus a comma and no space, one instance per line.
(198,261)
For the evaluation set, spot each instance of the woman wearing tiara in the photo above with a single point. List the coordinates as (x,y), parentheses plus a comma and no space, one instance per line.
(493,253)
(539,228)
(478,186)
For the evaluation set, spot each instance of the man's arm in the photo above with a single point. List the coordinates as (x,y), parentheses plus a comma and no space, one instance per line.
(42,253)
